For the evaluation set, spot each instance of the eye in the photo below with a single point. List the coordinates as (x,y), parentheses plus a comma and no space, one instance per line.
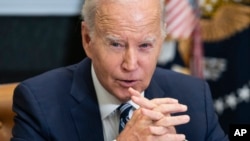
(115,44)
(145,45)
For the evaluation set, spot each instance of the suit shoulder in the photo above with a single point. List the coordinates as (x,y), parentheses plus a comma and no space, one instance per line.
(54,76)
(168,79)
(173,76)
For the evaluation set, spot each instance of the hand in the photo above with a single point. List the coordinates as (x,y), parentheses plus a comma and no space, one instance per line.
(153,121)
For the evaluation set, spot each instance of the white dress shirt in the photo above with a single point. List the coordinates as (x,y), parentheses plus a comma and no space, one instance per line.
(108,105)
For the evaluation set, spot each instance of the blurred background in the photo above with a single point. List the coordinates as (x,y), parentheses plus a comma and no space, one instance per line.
(38,35)
(209,39)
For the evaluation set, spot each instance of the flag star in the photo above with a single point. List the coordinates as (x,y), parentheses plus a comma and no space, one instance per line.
(244,93)
(231,101)
(219,106)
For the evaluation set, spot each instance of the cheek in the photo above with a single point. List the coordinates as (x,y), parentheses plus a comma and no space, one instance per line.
(148,69)
(106,62)
(150,60)
(148,64)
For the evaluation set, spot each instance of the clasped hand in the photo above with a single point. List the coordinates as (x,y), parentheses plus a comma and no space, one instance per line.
(153,120)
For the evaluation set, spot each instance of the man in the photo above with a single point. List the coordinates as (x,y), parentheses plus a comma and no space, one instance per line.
(122,39)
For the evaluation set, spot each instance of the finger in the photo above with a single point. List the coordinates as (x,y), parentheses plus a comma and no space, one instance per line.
(143,102)
(160,101)
(140,100)
(157,101)
(134,92)
(171,108)
(160,130)
(151,114)
(150,104)
(172,121)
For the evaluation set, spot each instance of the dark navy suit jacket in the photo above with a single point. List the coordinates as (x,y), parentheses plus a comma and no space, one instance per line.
(61,105)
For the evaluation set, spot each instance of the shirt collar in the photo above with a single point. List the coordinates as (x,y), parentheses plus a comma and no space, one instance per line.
(107,102)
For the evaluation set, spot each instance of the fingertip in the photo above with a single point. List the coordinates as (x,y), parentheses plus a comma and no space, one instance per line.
(187,118)
(185,108)
(183,137)
(130,89)
(133,91)
(174,100)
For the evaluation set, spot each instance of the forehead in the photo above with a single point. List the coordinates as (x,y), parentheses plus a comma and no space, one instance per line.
(128,14)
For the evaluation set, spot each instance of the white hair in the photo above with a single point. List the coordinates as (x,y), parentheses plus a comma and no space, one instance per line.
(89,11)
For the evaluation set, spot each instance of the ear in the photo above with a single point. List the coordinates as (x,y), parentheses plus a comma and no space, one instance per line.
(86,40)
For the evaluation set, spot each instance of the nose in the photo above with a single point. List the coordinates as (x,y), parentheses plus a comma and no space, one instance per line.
(130,60)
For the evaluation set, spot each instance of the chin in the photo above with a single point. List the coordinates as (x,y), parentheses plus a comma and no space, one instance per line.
(125,99)
(123,96)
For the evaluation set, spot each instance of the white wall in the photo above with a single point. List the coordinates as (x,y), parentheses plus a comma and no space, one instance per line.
(40,7)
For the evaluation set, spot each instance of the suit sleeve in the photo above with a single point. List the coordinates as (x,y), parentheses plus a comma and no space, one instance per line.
(30,124)
(214,130)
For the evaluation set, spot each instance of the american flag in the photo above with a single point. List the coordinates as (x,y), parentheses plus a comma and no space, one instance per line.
(181,18)
(182,23)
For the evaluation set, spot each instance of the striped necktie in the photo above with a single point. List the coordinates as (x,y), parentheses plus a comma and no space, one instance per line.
(124,115)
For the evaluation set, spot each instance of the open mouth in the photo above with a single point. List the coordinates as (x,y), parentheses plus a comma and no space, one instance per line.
(127,83)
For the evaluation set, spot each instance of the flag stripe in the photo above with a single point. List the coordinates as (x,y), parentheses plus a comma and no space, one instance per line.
(182,23)
(173,10)
(180,18)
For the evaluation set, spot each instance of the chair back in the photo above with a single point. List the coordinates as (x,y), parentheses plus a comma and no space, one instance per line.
(6,113)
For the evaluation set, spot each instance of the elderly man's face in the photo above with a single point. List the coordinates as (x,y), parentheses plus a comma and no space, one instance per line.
(125,45)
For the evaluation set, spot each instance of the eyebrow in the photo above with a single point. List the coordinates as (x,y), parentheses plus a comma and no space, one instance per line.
(117,38)
(113,38)
(149,39)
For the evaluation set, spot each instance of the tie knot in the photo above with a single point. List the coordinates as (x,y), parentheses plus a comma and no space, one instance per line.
(125,107)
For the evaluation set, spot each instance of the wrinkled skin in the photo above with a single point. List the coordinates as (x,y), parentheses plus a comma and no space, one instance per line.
(125,45)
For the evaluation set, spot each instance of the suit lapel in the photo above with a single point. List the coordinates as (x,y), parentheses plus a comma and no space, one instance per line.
(86,114)
(88,122)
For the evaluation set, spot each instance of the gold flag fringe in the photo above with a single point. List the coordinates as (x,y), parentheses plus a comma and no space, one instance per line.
(227,21)
(184,49)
